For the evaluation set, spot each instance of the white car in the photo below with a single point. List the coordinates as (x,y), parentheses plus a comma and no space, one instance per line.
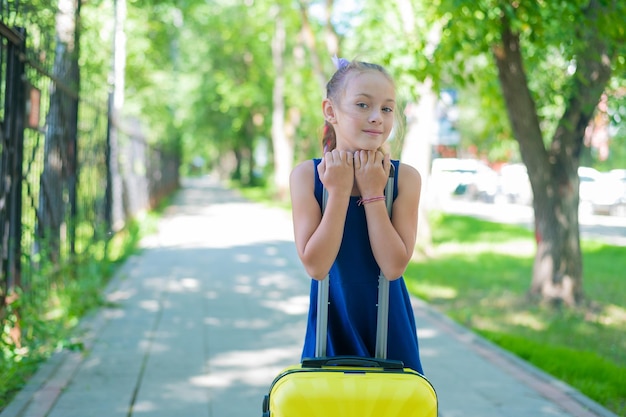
(515,185)
(469,178)
(601,192)
(612,199)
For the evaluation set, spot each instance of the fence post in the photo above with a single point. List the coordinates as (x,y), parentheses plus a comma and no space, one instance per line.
(15,109)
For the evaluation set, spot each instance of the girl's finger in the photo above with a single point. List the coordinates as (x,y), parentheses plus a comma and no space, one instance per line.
(387,163)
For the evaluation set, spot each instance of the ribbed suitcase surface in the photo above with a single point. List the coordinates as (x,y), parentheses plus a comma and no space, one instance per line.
(350,391)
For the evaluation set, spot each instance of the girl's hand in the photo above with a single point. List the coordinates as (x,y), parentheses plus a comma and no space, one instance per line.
(336,171)
(371,169)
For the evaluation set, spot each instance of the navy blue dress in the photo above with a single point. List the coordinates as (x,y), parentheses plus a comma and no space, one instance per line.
(354,294)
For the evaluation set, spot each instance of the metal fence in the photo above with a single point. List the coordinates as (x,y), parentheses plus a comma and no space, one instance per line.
(60,182)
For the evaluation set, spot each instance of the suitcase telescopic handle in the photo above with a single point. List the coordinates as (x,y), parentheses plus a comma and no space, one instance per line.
(352,361)
(382,322)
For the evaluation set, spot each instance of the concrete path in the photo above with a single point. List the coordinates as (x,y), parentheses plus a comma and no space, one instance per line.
(214,307)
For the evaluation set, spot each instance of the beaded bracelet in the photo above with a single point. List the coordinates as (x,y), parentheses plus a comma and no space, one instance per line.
(369,200)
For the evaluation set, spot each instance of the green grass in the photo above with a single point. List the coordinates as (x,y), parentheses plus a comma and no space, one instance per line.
(262,194)
(479,275)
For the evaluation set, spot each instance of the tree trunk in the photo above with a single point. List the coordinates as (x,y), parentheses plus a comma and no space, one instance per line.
(283,151)
(416,151)
(311,44)
(553,173)
(115,186)
(62,130)
(330,34)
(309,39)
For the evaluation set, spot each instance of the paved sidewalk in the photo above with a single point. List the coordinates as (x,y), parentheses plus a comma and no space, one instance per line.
(215,306)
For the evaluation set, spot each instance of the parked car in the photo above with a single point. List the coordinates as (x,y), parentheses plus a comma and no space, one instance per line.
(616,186)
(587,188)
(602,193)
(469,178)
(515,185)
(619,174)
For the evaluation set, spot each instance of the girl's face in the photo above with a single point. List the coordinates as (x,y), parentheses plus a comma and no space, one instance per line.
(364,117)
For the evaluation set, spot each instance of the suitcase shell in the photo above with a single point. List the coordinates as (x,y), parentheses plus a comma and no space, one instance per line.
(346,389)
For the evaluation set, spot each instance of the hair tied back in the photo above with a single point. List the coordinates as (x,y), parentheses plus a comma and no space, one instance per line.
(340,62)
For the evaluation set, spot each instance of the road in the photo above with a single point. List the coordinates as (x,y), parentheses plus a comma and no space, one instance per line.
(609,229)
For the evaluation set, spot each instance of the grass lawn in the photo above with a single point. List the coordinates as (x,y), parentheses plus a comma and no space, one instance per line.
(479,275)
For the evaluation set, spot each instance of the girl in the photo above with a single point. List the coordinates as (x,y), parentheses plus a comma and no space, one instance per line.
(355,239)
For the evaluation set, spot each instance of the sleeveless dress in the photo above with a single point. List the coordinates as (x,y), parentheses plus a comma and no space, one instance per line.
(353,297)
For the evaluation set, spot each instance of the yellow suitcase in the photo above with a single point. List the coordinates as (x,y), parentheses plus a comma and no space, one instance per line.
(349,386)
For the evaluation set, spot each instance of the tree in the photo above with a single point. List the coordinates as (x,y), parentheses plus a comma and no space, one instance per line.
(283,151)
(60,147)
(115,206)
(226,83)
(586,39)
(224,98)
(553,60)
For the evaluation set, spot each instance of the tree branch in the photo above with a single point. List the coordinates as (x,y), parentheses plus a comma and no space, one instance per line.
(521,106)
(593,71)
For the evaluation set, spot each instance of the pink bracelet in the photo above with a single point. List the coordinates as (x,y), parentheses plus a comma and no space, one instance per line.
(369,200)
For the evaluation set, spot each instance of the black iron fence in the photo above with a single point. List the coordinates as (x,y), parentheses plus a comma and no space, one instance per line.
(65,186)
